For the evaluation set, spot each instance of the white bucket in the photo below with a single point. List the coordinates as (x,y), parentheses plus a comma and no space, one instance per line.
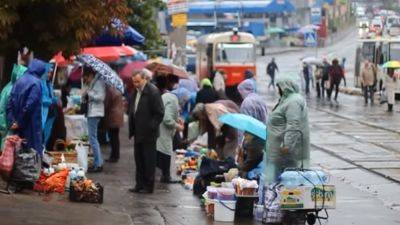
(224,211)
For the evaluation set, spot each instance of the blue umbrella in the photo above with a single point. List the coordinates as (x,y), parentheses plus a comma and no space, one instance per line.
(103,70)
(245,123)
(130,36)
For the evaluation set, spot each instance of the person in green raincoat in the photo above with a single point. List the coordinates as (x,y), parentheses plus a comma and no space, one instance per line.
(17,72)
(288,144)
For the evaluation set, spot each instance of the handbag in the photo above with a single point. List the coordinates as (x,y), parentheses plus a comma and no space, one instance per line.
(27,165)
(7,158)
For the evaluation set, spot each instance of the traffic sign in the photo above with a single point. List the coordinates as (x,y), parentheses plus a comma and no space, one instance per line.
(310,39)
(177,7)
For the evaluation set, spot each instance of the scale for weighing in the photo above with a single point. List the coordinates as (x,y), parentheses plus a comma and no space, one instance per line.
(308,197)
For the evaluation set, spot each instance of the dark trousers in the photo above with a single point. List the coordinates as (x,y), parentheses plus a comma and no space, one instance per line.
(114,142)
(145,159)
(318,89)
(272,83)
(334,85)
(164,164)
(369,93)
(323,88)
(307,82)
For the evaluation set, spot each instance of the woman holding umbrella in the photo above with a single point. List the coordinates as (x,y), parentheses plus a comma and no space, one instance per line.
(94,97)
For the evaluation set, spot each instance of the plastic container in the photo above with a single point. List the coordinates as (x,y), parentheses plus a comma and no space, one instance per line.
(258,212)
(226,194)
(224,211)
(212,192)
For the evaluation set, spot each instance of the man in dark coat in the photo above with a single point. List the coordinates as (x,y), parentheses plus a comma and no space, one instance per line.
(24,113)
(207,93)
(146,112)
(271,68)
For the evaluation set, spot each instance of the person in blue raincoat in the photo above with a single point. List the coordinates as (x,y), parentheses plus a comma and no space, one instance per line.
(49,101)
(24,111)
(17,72)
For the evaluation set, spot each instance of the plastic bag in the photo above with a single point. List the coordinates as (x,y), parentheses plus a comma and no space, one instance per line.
(7,158)
(27,165)
(82,156)
(384,97)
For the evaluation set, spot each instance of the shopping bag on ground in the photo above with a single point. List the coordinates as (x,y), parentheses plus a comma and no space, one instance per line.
(7,158)
(82,156)
(272,208)
(27,165)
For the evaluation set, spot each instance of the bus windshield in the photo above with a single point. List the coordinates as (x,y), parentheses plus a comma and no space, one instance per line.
(235,53)
(395,51)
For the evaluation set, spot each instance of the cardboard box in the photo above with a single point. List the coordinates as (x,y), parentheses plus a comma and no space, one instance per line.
(308,197)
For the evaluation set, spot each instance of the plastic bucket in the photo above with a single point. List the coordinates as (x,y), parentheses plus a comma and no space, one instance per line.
(224,211)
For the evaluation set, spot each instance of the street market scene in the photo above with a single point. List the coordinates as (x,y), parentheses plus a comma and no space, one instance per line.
(164,112)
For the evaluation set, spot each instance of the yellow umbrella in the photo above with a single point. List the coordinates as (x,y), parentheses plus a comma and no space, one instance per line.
(392,64)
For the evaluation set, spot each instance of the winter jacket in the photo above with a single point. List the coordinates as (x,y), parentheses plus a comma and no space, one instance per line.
(24,105)
(96,95)
(368,75)
(206,95)
(287,128)
(390,84)
(114,108)
(168,125)
(336,74)
(145,122)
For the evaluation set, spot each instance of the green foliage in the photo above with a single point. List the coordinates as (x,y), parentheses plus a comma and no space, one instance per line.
(49,26)
(143,20)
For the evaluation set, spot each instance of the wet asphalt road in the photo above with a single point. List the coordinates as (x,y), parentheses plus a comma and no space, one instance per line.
(358,145)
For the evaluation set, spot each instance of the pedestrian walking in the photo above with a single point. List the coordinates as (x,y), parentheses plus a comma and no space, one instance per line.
(335,77)
(114,120)
(94,97)
(325,78)
(207,93)
(318,73)
(368,78)
(170,124)
(307,78)
(17,72)
(390,84)
(24,106)
(146,112)
(271,69)
(288,143)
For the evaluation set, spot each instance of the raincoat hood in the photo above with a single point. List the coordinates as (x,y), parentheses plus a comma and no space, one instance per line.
(47,68)
(288,86)
(246,87)
(37,68)
(17,72)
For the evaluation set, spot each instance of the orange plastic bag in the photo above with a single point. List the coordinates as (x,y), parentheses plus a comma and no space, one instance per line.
(56,182)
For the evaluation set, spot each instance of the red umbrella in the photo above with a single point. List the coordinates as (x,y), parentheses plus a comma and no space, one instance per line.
(106,54)
(128,69)
(167,68)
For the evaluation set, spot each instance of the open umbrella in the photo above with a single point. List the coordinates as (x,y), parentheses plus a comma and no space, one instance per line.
(275,30)
(167,68)
(245,123)
(128,69)
(392,64)
(312,60)
(103,70)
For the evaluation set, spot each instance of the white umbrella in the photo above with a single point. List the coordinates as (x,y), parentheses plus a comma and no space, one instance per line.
(311,60)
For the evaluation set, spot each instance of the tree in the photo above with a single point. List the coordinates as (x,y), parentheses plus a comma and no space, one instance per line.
(143,20)
(50,26)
